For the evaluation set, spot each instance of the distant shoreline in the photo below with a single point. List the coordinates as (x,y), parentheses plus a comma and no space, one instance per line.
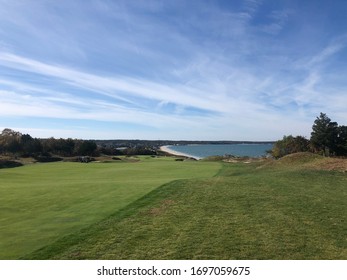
(167,149)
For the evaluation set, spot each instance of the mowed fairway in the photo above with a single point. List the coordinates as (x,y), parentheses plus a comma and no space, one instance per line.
(248,211)
(40,203)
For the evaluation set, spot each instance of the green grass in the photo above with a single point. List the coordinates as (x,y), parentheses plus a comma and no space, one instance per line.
(244,212)
(39,203)
(282,210)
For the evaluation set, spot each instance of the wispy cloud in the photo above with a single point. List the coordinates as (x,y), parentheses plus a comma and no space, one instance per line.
(115,87)
(229,70)
(332,49)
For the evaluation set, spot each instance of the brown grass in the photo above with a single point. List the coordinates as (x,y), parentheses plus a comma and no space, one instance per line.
(162,208)
(307,160)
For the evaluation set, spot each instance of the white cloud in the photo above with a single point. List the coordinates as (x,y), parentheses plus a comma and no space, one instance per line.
(179,67)
(112,86)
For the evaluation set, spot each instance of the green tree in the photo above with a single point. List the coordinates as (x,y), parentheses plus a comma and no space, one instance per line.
(30,146)
(324,135)
(10,141)
(61,147)
(85,148)
(342,141)
(289,145)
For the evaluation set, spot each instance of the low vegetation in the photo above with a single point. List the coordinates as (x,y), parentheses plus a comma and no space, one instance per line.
(9,163)
(41,202)
(292,208)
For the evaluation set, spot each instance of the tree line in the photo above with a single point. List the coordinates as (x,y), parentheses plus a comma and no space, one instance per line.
(23,145)
(327,138)
(15,143)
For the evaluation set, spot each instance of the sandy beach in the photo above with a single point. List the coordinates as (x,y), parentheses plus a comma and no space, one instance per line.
(170,151)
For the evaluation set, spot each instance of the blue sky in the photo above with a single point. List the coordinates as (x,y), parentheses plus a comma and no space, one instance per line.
(190,70)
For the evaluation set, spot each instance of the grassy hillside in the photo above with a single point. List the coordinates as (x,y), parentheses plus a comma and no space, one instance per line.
(39,203)
(288,209)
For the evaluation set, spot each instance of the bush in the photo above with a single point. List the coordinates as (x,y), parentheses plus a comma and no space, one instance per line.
(290,145)
(9,164)
(47,158)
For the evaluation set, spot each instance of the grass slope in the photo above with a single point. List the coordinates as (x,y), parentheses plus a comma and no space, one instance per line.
(245,212)
(39,203)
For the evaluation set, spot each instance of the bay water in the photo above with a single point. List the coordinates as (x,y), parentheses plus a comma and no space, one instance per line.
(240,150)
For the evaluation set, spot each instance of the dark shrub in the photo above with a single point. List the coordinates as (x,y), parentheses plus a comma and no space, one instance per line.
(47,158)
(9,164)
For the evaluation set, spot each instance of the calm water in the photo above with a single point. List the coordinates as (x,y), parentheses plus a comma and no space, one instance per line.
(201,151)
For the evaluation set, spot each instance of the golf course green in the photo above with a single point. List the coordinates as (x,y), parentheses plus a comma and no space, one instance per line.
(159,208)
(39,203)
